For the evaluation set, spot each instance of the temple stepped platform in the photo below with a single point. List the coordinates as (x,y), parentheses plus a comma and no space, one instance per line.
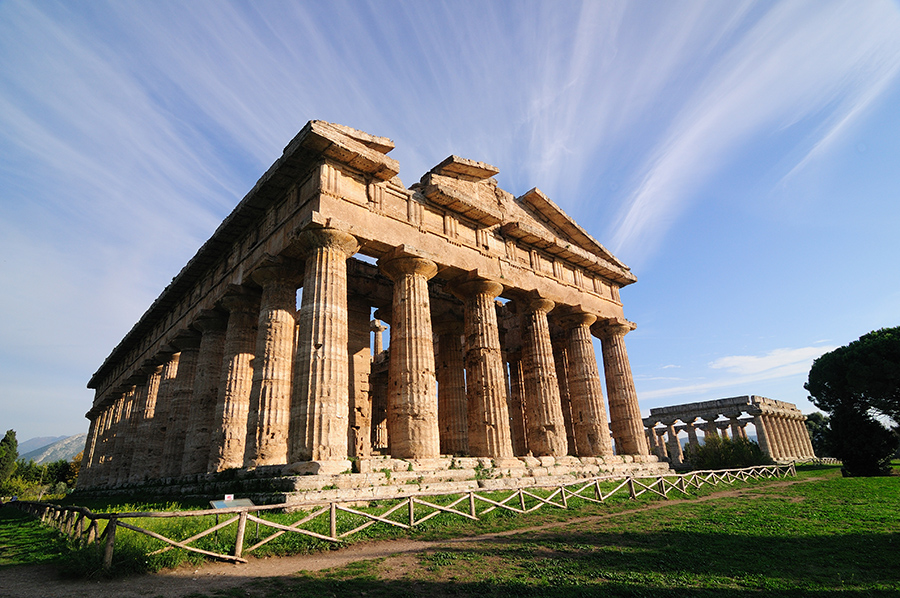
(381,478)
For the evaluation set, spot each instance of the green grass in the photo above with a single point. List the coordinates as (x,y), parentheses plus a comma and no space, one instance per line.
(823,535)
(24,541)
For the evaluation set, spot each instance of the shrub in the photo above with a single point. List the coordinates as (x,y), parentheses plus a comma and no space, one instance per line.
(723,453)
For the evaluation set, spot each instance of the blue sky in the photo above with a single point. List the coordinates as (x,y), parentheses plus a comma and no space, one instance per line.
(741,157)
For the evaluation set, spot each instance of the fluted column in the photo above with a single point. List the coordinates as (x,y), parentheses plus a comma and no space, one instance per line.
(109,452)
(451,381)
(359,314)
(711,428)
(123,433)
(763,435)
(517,403)
(589,422)
(100,448)
(412,400)
(378,327)
(140,469)
(133,442)
(673,444)
(229,428)
(807,440)
(268,419)
(661,443)
(776,443)
(790,424)
(321,406)
(624,412)
(161,420)
(85,474)
(488,412)
(546,427)
(205,395)
(692,434)
(182,395)
(561,361)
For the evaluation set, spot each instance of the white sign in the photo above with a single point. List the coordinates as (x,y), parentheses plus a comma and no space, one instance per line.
(229,497)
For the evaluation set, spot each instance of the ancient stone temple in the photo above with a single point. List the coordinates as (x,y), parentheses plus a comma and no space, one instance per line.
(491,302)
(780,429)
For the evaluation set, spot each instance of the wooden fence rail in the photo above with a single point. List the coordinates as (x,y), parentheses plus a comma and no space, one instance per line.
(470,504)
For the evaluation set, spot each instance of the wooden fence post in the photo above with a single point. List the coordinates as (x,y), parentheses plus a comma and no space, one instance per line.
(239,540)
(412,512)
(110,543)
(631,487)
(472,504)
(333,520)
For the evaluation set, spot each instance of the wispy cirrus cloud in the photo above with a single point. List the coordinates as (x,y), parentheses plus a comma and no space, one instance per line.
(817,65)
(744,370)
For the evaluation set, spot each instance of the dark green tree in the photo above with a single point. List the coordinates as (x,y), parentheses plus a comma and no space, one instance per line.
(817,424)
(723,453)
(9,453)
(856,384)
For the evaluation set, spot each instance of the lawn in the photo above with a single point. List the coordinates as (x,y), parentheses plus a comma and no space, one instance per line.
(815,534)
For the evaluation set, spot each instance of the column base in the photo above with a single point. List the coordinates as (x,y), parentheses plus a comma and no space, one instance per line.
(319,467)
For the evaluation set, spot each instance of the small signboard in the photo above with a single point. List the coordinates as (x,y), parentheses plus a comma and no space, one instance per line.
(233,502)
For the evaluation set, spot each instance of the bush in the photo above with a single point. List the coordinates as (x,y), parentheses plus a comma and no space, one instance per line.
(723,453)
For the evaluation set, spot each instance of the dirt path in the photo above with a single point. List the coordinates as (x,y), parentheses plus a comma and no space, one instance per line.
(40,581)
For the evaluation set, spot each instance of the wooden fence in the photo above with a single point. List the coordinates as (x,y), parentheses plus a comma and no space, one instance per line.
(83,526)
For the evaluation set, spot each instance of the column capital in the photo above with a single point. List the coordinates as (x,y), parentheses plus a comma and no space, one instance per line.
(574,319)
(612,327)
(471,284)
(210,320)
(238,298)
(277,269)
(536,303)
(314,236)
(186,340)
(404,260)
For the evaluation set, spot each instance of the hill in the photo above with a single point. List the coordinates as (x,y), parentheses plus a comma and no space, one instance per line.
(65,448)
(33,444)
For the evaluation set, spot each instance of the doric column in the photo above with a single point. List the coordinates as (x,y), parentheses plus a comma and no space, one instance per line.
(140,469)
(692,434)
(85,474)
(561,361)
(673,444)
(378,388)
(776,442)
(451,381)
(517,404)
(205,396)
(157,443)
(134,443)
(378,327)
(763,435)
(412,401)
(589,421)
(488,412)
(100,447)
(546,427)
(724,430)
(790,425)
(124,432)
(807,440)
(109,449)
(182,395)
(624,412)
(359,349)
(321,405)
(661,443)
(270,398)
(711,428)
(737,429)
(229,428)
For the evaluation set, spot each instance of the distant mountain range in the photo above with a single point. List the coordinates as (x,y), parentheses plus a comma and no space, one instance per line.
(52,449)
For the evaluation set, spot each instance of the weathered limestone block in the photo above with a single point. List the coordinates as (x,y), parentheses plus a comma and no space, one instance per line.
(624,412)
(201,417)
(589,422)
(270,398)
(229,429)
(546,427)
(320,410)
(451,380)
(488,415)
(412,400)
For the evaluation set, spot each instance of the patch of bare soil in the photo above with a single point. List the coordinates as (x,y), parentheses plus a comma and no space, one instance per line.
(44,581)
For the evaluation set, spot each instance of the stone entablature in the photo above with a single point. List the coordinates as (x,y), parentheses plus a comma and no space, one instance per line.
(780,428)
(224,362)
